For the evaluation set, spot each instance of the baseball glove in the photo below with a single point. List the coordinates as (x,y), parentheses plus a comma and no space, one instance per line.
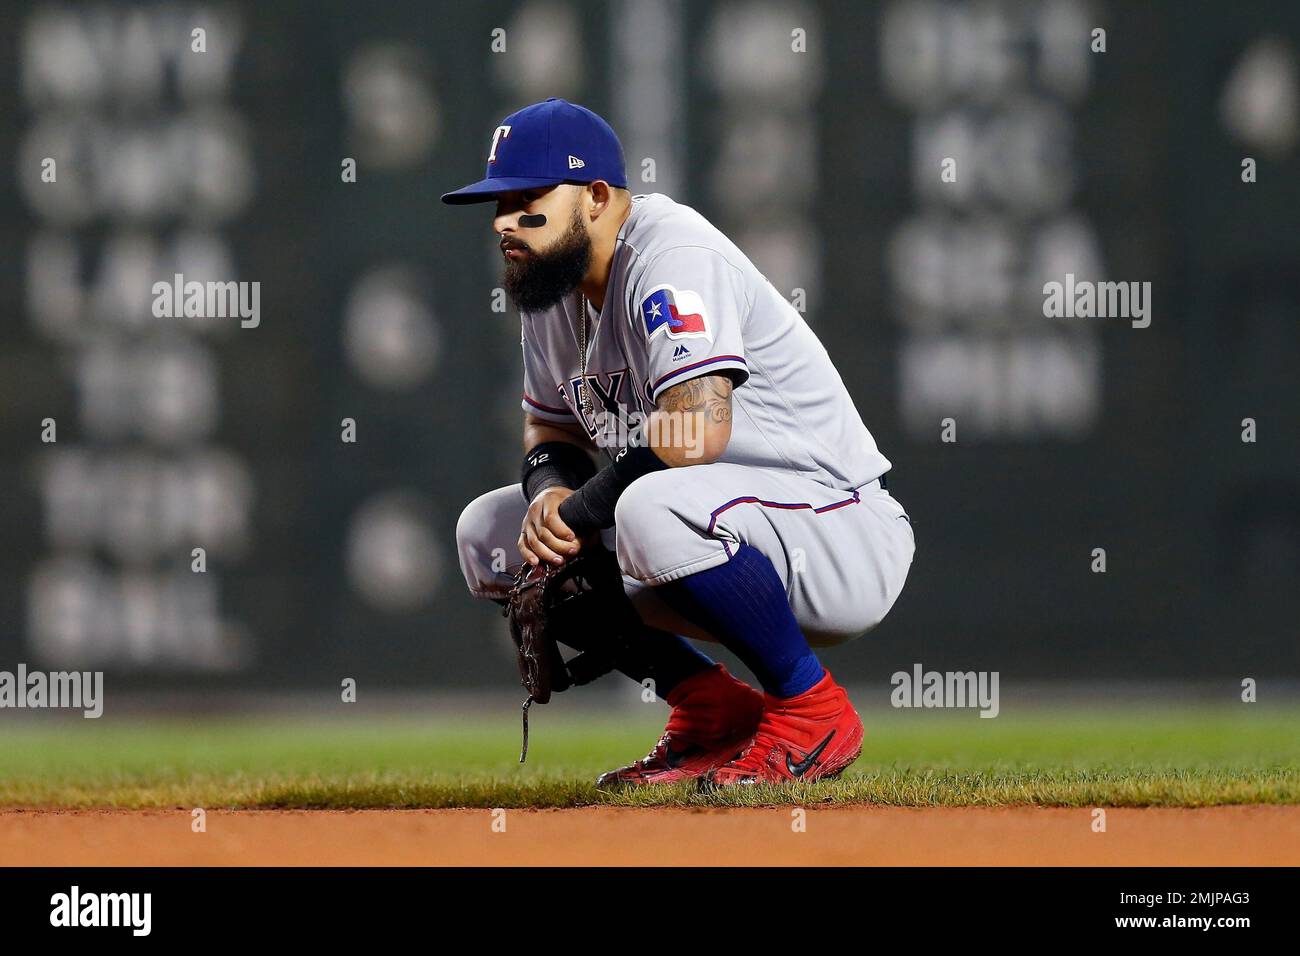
(580,604)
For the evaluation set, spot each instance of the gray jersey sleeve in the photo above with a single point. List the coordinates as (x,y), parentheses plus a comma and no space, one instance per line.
(541,396)
(689,303)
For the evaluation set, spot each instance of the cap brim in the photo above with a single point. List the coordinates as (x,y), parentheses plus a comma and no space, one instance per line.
(485,190)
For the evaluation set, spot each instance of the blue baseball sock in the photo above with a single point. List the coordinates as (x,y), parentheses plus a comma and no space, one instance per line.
(743,604)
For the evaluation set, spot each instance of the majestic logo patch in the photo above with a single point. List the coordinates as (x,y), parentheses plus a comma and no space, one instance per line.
(679,312)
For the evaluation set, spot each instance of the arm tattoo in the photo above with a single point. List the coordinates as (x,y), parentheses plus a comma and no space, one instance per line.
(709,394)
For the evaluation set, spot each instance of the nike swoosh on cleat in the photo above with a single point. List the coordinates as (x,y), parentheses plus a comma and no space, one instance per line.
(806,764)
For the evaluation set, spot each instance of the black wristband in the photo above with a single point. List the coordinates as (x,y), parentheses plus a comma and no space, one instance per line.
(553,464)
(591,507)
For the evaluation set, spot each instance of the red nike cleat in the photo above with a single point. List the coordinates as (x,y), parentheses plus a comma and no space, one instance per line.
(714,718)
(813,736)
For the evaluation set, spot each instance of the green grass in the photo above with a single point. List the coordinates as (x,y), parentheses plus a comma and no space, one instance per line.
(1236,755)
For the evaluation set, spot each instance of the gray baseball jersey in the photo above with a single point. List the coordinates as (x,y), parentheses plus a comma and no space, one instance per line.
(684,301)
(798,480)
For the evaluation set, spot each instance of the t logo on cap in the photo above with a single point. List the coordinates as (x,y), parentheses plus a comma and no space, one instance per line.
(503,132)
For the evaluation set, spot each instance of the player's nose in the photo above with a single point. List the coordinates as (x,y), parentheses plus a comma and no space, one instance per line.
(507,219)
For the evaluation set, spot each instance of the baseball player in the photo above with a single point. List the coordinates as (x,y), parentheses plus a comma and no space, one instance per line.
(680,412)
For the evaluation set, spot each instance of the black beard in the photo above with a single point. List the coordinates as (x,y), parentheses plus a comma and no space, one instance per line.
(539,280)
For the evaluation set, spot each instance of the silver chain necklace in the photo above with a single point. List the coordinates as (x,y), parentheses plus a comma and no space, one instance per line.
(584,392)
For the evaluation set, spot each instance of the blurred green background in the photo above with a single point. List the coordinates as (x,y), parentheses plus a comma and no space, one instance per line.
(811,133)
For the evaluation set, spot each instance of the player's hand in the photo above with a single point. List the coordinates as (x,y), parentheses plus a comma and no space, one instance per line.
(545,536)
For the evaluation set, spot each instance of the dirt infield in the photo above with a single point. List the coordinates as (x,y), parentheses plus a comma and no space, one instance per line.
(1224,836)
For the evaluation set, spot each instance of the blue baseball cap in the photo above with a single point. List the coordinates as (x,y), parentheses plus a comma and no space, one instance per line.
(544,144)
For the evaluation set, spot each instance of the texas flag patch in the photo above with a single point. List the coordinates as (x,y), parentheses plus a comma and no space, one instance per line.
(679,312)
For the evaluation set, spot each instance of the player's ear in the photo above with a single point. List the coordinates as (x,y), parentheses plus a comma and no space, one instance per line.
(597,198)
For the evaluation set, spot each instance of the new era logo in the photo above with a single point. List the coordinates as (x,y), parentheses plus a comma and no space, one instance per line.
(575,162)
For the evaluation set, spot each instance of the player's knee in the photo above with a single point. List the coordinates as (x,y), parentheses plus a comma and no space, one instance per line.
(646,504)
(634,503)
(648,520)
(476,551)
(470,524)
